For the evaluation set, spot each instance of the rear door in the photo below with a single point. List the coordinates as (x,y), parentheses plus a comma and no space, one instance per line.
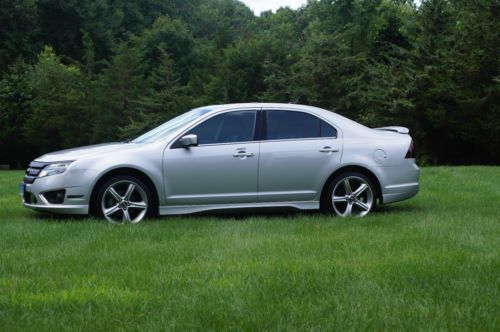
(297,154)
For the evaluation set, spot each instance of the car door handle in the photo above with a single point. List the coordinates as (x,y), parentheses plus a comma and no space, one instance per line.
(240,154)
(328,149)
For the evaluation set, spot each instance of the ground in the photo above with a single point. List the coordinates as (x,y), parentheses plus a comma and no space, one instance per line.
(430,263)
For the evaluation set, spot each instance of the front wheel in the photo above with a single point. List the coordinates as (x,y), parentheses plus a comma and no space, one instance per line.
(351,194)
(123,199)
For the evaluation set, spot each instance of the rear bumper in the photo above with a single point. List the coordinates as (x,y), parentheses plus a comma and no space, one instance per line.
(400,192)
(400,182)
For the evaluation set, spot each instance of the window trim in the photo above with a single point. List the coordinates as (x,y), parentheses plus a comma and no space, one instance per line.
(264,124)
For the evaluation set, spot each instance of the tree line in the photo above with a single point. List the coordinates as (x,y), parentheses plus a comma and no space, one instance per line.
(77,72)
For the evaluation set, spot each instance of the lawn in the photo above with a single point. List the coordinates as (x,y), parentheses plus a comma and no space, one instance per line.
(430,263)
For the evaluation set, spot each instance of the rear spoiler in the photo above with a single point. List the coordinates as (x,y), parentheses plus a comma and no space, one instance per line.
(396,129)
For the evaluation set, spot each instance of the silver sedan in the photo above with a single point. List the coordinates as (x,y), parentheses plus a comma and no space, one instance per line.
(239,156)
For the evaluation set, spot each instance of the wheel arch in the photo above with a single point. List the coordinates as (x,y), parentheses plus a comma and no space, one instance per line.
(351,168)
(128,171)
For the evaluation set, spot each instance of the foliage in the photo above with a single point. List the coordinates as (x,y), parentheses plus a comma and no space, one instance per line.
(105,70)
(116,92)
(59,116)
(19,31)
(16,97)
(163,100)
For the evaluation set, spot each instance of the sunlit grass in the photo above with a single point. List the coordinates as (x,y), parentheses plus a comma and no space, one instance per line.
(430,263)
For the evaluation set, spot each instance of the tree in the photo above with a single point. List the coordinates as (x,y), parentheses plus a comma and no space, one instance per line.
(19,33)
(115,94)
(16,99)
(121,67)
(59,116)
(165,99)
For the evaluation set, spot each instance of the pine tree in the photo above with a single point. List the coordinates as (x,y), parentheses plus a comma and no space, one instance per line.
(116,94)
(165,99)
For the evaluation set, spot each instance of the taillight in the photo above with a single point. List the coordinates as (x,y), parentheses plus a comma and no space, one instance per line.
(411,151)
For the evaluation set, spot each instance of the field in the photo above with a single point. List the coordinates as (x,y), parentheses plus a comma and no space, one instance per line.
(430,263)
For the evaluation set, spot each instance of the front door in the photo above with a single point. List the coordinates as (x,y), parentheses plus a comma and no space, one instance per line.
(223,168)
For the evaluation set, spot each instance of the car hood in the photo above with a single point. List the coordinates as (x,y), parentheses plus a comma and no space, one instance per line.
(86,151)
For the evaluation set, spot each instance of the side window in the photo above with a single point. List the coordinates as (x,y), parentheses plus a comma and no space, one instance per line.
(226,128)
(327,130)
(294,125)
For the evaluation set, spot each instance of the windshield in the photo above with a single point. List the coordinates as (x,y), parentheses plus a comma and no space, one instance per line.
(170,126)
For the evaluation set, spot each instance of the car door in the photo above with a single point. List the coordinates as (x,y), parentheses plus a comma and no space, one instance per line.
(298,153)
(222,168)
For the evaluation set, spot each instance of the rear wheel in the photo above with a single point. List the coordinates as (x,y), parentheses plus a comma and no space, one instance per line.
(351,194)
(123,199)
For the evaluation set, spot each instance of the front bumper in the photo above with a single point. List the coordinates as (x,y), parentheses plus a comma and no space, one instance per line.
(59,208)
(77,185)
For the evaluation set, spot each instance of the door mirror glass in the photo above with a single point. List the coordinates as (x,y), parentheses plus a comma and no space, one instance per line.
(189,140)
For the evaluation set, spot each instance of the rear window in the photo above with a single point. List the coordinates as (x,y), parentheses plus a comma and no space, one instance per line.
(296,125)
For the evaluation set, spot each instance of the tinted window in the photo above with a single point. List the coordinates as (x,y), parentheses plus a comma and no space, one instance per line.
(327,130)
(291,125)
(226,128)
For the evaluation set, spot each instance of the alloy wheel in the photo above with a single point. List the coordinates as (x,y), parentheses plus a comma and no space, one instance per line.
(124,202)
(352,196)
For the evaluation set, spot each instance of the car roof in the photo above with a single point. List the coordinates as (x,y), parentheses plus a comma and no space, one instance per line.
(258,105)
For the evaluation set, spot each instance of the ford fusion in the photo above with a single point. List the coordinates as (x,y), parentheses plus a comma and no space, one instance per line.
(223,157)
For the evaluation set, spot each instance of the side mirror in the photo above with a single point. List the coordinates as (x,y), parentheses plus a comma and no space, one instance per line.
(189,140)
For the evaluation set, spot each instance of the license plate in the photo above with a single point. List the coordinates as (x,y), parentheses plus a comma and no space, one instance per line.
(22,187)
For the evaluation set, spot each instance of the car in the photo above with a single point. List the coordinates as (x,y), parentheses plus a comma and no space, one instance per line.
(225,157)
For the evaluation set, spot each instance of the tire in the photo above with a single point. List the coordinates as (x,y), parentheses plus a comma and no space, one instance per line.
(123,199)
(355,195)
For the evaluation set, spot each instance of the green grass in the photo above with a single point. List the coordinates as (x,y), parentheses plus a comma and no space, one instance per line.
(430,263)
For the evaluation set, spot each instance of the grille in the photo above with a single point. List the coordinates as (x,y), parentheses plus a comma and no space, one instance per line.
(33,170)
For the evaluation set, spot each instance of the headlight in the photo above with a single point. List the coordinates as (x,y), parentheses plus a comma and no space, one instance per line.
(55,168)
